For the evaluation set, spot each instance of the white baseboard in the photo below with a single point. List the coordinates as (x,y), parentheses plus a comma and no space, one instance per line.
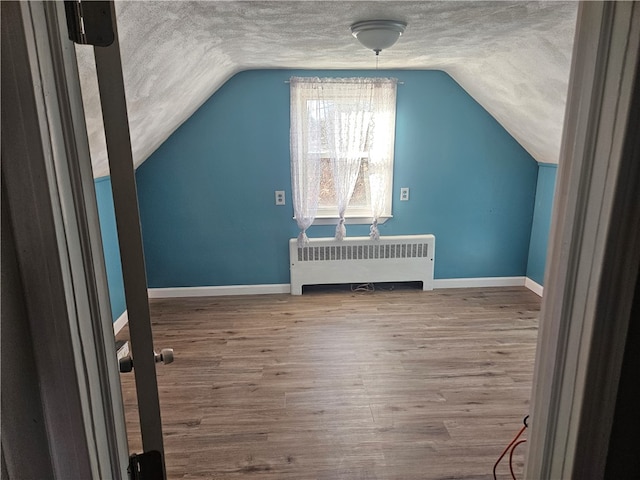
(120,322)
(533,286)
(123,351)
(176,292)
(219,291)
(478,282)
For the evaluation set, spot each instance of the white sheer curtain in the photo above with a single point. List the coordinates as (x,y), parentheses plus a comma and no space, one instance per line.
(381,150)
(348,138)
(307,118)
(343,120)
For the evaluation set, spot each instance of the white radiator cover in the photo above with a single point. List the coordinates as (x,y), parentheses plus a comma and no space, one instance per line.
(400,258)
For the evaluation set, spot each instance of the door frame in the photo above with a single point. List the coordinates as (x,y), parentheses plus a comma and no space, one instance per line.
(594,257)
(576,343)
(48,181)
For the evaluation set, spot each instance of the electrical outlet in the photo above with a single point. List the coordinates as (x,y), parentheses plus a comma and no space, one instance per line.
(404,194)
(279,197)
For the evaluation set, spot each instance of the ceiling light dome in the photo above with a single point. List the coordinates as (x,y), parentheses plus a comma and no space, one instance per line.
(378,35)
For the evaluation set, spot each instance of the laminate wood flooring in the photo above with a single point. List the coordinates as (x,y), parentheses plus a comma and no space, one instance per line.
(399,384)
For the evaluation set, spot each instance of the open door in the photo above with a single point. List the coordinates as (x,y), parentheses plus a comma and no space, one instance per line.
(47,182)
(94,23)
(60,280)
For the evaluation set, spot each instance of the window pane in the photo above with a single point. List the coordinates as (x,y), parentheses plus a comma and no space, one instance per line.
(360,197)
(327,191)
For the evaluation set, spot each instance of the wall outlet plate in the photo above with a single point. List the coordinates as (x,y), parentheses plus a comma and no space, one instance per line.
(280,197)
(404,194)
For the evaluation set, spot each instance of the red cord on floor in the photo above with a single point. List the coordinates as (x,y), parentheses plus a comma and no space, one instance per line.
(510,448)
(513,475)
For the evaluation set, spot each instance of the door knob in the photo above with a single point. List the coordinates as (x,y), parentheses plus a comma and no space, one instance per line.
(125,364)
(165,356)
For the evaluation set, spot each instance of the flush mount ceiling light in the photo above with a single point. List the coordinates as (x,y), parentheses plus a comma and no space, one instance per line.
(378,35)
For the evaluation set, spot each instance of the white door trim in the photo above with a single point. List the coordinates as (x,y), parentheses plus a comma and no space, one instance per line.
(584,318)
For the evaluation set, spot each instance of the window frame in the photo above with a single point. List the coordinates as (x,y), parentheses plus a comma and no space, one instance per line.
(328,214)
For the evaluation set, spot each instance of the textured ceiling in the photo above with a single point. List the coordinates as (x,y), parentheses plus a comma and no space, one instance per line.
(512,57)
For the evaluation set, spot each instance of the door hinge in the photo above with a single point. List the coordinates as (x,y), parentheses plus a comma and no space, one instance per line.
(146,466)
(89,22)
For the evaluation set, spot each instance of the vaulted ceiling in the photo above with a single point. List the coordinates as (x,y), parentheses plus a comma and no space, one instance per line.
(511,57)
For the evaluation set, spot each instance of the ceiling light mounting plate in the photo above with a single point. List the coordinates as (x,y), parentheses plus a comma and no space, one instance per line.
(378,35)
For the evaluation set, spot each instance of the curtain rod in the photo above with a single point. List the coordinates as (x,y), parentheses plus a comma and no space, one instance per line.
(398,83)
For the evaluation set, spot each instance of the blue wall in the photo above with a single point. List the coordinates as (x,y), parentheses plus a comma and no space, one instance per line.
(541,222)
(110,246)
(207,194)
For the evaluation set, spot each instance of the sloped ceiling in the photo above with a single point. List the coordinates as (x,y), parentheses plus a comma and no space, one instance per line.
(512,57)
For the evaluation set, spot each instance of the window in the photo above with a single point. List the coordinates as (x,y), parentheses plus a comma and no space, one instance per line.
(342,139)
(360,202)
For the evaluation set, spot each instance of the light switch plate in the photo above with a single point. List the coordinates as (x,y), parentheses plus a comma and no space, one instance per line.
(404,194)
(279,197)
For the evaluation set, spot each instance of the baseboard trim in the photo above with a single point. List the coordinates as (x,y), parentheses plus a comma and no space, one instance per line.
(535,287)
(224,290)
(269,289)
(478,282)
(120,322)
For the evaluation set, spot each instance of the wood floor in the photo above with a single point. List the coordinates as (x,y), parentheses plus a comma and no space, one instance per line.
(399,384)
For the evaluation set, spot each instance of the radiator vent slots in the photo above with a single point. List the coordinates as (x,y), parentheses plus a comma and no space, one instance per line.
(398,258)
(362,252)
